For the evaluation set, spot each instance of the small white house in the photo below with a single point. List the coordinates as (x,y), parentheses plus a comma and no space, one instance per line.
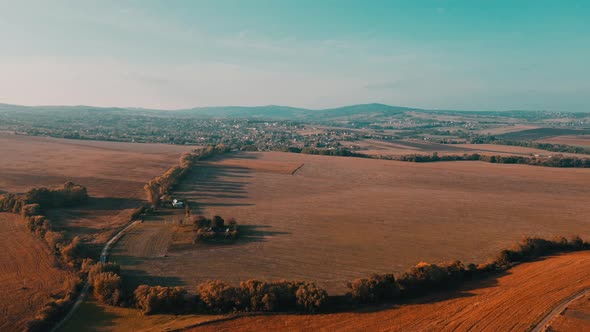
(177,204)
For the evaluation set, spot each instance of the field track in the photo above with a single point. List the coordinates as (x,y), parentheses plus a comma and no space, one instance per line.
(542,325)
(103,258)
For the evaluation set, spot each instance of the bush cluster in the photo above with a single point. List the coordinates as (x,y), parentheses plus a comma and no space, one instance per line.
(207,229)
(11,203)
(159,299)
(256,295)
(376,288)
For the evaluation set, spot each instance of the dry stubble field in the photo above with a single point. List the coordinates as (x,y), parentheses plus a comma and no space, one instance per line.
(510,302)
(340,218)
(28,275)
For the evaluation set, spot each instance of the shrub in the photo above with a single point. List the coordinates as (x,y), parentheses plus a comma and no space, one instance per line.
(374,289)
(425,276)
(38,224)
(219,296)
(158,299)
(201,222)
(108,288)
(100,267)
(30,210)
(73,250)
(258,296)
(11,203)
(54,240)
(217,222)
(310,297)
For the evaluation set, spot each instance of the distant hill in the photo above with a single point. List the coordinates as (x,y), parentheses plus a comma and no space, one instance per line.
(266,112)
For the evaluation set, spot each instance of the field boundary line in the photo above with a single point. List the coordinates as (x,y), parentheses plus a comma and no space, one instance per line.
(103,258)
(297,169)
(541,326)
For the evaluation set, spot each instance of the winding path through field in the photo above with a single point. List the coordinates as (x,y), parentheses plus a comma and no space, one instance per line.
(104,254)
(542,325)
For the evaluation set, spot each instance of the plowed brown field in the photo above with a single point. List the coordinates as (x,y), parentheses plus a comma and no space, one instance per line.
(340,218)
(512,302)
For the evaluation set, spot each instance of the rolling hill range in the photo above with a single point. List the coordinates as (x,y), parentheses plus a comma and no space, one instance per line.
(267,112)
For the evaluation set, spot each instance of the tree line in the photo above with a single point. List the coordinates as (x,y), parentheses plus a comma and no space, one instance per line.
(163,184)
(215,296)
(554,161)
(425,278)
(564,148)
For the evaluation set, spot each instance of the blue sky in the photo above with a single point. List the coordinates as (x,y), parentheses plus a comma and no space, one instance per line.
(481,55)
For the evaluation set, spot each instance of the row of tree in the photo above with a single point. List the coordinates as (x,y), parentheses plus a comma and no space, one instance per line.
(216,296)
(163,184)
(211,296)
(563,148)
(425,277)
(554,161)
(31,206)
(41,198)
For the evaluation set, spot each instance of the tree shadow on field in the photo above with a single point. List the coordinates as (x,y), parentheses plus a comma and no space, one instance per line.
(134,276)
(256,233)
(211,185)
(91,317)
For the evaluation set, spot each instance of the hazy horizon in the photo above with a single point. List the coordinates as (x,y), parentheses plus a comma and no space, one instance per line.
(461,55)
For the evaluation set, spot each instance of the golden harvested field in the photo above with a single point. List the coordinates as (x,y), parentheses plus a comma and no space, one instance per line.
(28,275)
(407,147)
(340,218)
(579,140)
(511,302)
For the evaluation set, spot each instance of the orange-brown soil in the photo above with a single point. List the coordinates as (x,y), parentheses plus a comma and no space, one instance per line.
(576,317)
(511,302)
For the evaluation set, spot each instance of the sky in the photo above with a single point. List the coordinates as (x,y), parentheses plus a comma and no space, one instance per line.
(467,55)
